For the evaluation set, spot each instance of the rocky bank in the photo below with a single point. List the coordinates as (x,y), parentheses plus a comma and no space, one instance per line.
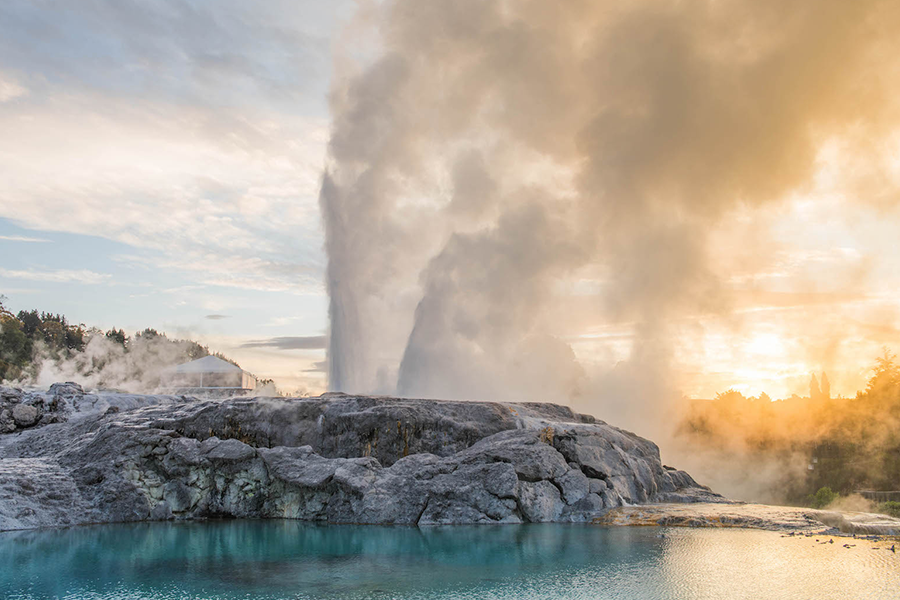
(753,516)
(69,458)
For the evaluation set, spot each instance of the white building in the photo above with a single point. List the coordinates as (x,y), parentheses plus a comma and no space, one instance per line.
(210,374)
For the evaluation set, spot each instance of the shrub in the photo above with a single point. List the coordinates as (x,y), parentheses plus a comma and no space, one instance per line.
(822,498)
(891,508)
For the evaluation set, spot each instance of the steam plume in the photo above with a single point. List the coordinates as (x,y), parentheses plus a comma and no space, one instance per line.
(495,155)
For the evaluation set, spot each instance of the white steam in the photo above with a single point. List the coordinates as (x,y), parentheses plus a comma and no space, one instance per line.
(496,155)
(106,365)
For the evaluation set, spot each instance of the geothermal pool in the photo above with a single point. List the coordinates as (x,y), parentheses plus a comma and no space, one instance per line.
(289,559)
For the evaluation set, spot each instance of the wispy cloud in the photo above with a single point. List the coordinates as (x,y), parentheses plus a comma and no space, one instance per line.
(281,321)
(10,89)
(161,163)
(312,342)
(216,317)
(317,367)
(57,276)
(22,238)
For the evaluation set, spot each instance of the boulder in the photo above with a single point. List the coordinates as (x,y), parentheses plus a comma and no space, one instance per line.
(540,501)
(574,486)
(7,423)
(69,388)
(25,415)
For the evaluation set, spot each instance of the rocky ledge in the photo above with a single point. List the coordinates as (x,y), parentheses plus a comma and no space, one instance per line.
(754,516)
(71,458)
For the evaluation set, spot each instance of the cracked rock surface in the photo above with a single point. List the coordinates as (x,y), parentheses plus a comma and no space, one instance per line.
(85,458)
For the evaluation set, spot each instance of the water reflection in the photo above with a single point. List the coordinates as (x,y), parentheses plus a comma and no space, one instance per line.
(289,559)
(756,564)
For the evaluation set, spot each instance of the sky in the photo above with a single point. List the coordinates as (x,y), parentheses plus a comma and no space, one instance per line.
(161,165)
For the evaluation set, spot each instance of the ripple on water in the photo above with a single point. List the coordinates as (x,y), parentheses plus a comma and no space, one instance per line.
(266,560)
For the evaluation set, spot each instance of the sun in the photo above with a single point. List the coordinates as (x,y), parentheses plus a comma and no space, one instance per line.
(770,345)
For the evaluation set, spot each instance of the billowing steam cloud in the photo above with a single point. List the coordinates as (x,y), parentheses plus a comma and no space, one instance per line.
(498,159)
(105,364)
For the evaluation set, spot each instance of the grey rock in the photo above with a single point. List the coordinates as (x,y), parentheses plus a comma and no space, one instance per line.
(25,415)
(610,498)
(584,510)
(540,501)
(183,452)
(688,495)
(7,392)
(574,486)
(679,479)
(38,492)
(299,466)
(532,458)
(161,512)
(336,458)
(485,492)
(65,401)
(69,388)
(226,450)
(7,423)
(177,496)
(502,481)
(356,475)
(627,488)
(598,486)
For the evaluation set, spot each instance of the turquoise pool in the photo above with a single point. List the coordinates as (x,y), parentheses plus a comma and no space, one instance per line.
(289,559)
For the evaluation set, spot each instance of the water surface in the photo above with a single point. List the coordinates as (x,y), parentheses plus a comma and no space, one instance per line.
(266,560)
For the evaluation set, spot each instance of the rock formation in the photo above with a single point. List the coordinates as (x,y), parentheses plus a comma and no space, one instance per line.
(69,458)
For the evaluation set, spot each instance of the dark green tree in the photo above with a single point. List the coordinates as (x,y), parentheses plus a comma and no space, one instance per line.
(31,322)
(118,336)
(15,346)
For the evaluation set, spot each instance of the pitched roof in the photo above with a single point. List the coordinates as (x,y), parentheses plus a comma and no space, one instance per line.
(208,364)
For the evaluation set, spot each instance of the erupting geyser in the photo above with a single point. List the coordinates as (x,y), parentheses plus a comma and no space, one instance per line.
(504,172)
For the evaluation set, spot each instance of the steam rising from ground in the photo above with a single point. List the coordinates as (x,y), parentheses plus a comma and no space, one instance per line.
(506,174)
(105,364)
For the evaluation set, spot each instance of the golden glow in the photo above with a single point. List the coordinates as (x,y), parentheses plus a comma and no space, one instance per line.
(767,344)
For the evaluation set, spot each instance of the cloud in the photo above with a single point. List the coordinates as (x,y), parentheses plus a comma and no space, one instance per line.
(10,89)
(281,321)
(318,367)
(249,221)
(22,238)
(194,133)
(313,342)
(213,53)
(58,276)
(216,317)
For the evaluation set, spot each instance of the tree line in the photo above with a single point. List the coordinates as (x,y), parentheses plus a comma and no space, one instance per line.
(30,338)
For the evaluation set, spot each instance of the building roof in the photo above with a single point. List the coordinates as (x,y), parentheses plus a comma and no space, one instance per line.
(208,364)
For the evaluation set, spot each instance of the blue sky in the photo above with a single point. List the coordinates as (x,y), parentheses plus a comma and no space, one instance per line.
(160,168)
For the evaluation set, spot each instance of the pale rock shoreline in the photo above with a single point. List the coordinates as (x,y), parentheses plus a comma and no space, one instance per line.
(753,516)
